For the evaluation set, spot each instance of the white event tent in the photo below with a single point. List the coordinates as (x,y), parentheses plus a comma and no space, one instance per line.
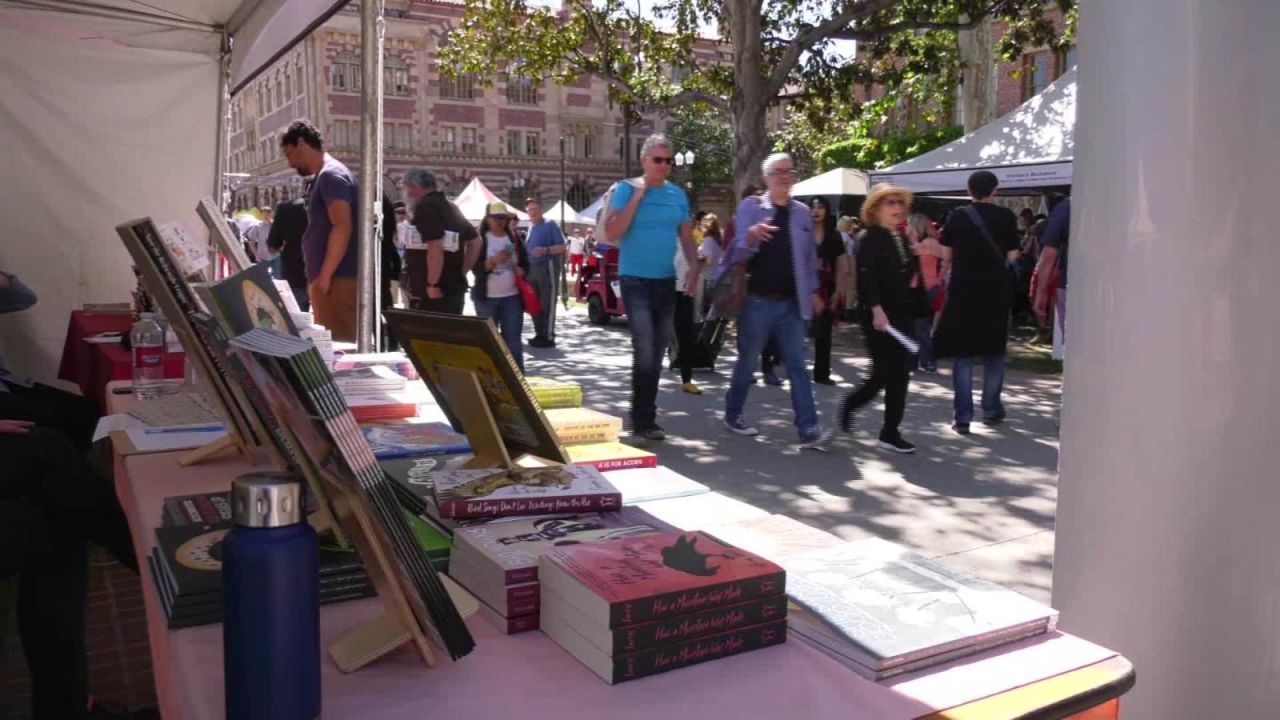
(112,111)
(571,216)
(474,201)
(841,181)
(1030,148)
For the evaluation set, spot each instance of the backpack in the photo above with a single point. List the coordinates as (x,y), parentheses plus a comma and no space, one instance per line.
(606,209)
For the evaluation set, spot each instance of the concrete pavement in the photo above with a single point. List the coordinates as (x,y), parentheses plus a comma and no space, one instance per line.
(985,502)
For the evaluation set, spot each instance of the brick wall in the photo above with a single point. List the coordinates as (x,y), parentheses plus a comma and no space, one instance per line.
(116,633)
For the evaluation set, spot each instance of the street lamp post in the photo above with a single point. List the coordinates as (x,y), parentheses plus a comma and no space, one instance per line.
(685,160)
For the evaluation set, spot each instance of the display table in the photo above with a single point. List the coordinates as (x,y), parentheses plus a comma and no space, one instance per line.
(93,365)
(529,676)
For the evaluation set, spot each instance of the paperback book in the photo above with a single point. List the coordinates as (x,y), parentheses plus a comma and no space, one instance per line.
(412,439)
(497,492)
(579,426)
(606,456)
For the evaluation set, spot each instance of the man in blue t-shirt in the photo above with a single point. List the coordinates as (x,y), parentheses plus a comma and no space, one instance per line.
(329,247)
(649,219)
(546,248)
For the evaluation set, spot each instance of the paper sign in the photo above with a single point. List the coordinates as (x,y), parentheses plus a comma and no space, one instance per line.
(191,254)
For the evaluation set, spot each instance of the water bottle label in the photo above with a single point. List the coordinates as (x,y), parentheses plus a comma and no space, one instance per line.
(148,356)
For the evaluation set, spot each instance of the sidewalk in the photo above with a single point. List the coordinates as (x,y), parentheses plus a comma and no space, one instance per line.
(986,502)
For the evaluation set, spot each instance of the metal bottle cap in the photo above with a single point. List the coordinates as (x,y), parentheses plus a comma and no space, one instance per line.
(266,500)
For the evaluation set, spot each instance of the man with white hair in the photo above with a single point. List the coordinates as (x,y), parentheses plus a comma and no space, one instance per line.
(647,215)
(774,241)
(437,271)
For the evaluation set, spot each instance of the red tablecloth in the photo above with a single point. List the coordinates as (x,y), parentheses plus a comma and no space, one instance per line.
(92,366)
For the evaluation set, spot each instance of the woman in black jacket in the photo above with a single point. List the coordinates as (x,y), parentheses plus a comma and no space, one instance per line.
(890,292)
(496,293)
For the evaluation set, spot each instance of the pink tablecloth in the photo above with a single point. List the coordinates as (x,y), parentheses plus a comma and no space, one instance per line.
(529,676)
(92,366)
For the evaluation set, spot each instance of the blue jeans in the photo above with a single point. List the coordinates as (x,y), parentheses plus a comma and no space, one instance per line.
(651,310)
(924,336)
(508,314)
(992,384)
(759,321)
(276,267)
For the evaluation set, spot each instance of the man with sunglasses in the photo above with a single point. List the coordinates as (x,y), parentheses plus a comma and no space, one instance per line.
(648,216)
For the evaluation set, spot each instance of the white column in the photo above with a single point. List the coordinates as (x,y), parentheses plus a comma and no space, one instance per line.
(1168,535)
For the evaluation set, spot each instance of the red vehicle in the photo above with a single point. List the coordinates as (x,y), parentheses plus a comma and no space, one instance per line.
(597,286)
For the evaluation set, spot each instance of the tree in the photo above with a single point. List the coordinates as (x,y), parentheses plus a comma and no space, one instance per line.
(704,131)
(782,50)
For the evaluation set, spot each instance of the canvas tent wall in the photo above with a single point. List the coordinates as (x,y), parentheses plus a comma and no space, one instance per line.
(110,113)
(1030,148)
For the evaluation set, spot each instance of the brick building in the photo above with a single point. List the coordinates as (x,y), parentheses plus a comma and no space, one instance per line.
(507,135)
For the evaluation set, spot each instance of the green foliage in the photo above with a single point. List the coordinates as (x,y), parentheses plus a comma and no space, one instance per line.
(865,152)
(706,132)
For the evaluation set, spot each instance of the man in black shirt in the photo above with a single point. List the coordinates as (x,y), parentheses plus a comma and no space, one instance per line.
(285,238)
(437,273)
(979,241)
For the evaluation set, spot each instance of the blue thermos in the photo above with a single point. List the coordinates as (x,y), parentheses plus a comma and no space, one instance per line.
(271,602)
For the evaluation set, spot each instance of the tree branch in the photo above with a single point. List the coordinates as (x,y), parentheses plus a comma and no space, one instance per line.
(816,34)
(688,96)
(865,35)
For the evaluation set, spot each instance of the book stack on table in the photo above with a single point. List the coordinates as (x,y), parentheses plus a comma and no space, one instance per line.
(643,605)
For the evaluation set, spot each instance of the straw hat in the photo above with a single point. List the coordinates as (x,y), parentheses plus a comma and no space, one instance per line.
(877,196)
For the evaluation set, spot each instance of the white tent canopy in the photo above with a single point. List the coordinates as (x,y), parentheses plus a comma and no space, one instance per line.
(474,201)
(111,111)
(1029,148)
(841,181)
(571,216)
(593,210)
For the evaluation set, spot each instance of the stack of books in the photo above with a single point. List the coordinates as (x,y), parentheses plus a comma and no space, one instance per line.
(642,605)
(498,561)
(403,440)
(389,405)
(500,492)
(376,379)
(580,426)
(396,361)
(882,610)
(552,394)
(186,564)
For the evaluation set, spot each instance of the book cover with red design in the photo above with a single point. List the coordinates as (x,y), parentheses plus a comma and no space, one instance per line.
(608,456)
(649,577)
(499,492)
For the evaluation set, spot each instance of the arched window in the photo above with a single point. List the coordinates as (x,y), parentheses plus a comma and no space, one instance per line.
(346,72)
(579,196)
(395,76)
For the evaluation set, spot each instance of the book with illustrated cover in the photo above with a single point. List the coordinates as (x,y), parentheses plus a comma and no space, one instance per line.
(639,485)
(656,633)
(887,606)
(436,341)
(411,439)
(396,361)
(411,477)
(578,426)
(555,394)
(201,509)
(508,551)
(774,536)
(606,456)
(247,300)
(378,378)
(497,492)
(623,582)
(632,666)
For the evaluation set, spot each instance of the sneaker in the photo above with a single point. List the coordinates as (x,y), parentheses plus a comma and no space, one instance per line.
(654,433)
(691,388)
(993,420)
(541,342)
(896,444)
(960,428)
(815,439)
(739,427)
(771,378)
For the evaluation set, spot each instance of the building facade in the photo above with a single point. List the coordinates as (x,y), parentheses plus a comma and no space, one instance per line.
(507,135)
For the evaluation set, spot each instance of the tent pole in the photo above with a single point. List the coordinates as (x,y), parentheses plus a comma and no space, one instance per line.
(220,146)
(105,11)
(368,299)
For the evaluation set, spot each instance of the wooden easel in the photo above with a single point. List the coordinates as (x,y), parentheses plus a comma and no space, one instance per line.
(397,625)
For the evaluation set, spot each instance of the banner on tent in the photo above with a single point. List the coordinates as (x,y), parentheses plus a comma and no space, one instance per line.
(1011,178)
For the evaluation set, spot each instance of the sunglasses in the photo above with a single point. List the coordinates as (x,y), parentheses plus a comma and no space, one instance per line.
(782,172)
(661,160)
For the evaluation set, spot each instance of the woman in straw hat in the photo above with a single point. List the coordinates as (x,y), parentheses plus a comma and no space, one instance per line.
(890,293)
(496,293)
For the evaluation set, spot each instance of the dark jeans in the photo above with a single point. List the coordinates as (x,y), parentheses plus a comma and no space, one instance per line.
(924,335)
(304,300)
(769,357)
(992,385)
(686,336)
(508,314)
(822,326)
(760,321)
(891,372)
(51,506)
(543,280)
(73,415)
(450,304)
(651,305)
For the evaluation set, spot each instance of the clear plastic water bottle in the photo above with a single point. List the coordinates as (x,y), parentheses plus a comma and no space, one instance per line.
(147,339)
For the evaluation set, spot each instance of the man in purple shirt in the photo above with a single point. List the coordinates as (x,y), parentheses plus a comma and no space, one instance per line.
(329,246)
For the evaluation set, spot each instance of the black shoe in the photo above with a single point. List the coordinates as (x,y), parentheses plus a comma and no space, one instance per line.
(960,428)
(655,433)
(824,381)
(540,342)
(896,444)
(994,420)
(847,411)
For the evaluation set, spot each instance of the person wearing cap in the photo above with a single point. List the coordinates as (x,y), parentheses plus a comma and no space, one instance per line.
(890,291)
(437,272)
(262,252)
(775,242)
(979,243)
(546,251)
(496,295)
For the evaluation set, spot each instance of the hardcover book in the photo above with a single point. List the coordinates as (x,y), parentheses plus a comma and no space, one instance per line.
(509,550)
(202,509)
(639,485)
(623,582)
(632,666)
(578,426)
(247,300)
(889,606)
(410,439)
(496,492)
(608,456)
(633,638)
